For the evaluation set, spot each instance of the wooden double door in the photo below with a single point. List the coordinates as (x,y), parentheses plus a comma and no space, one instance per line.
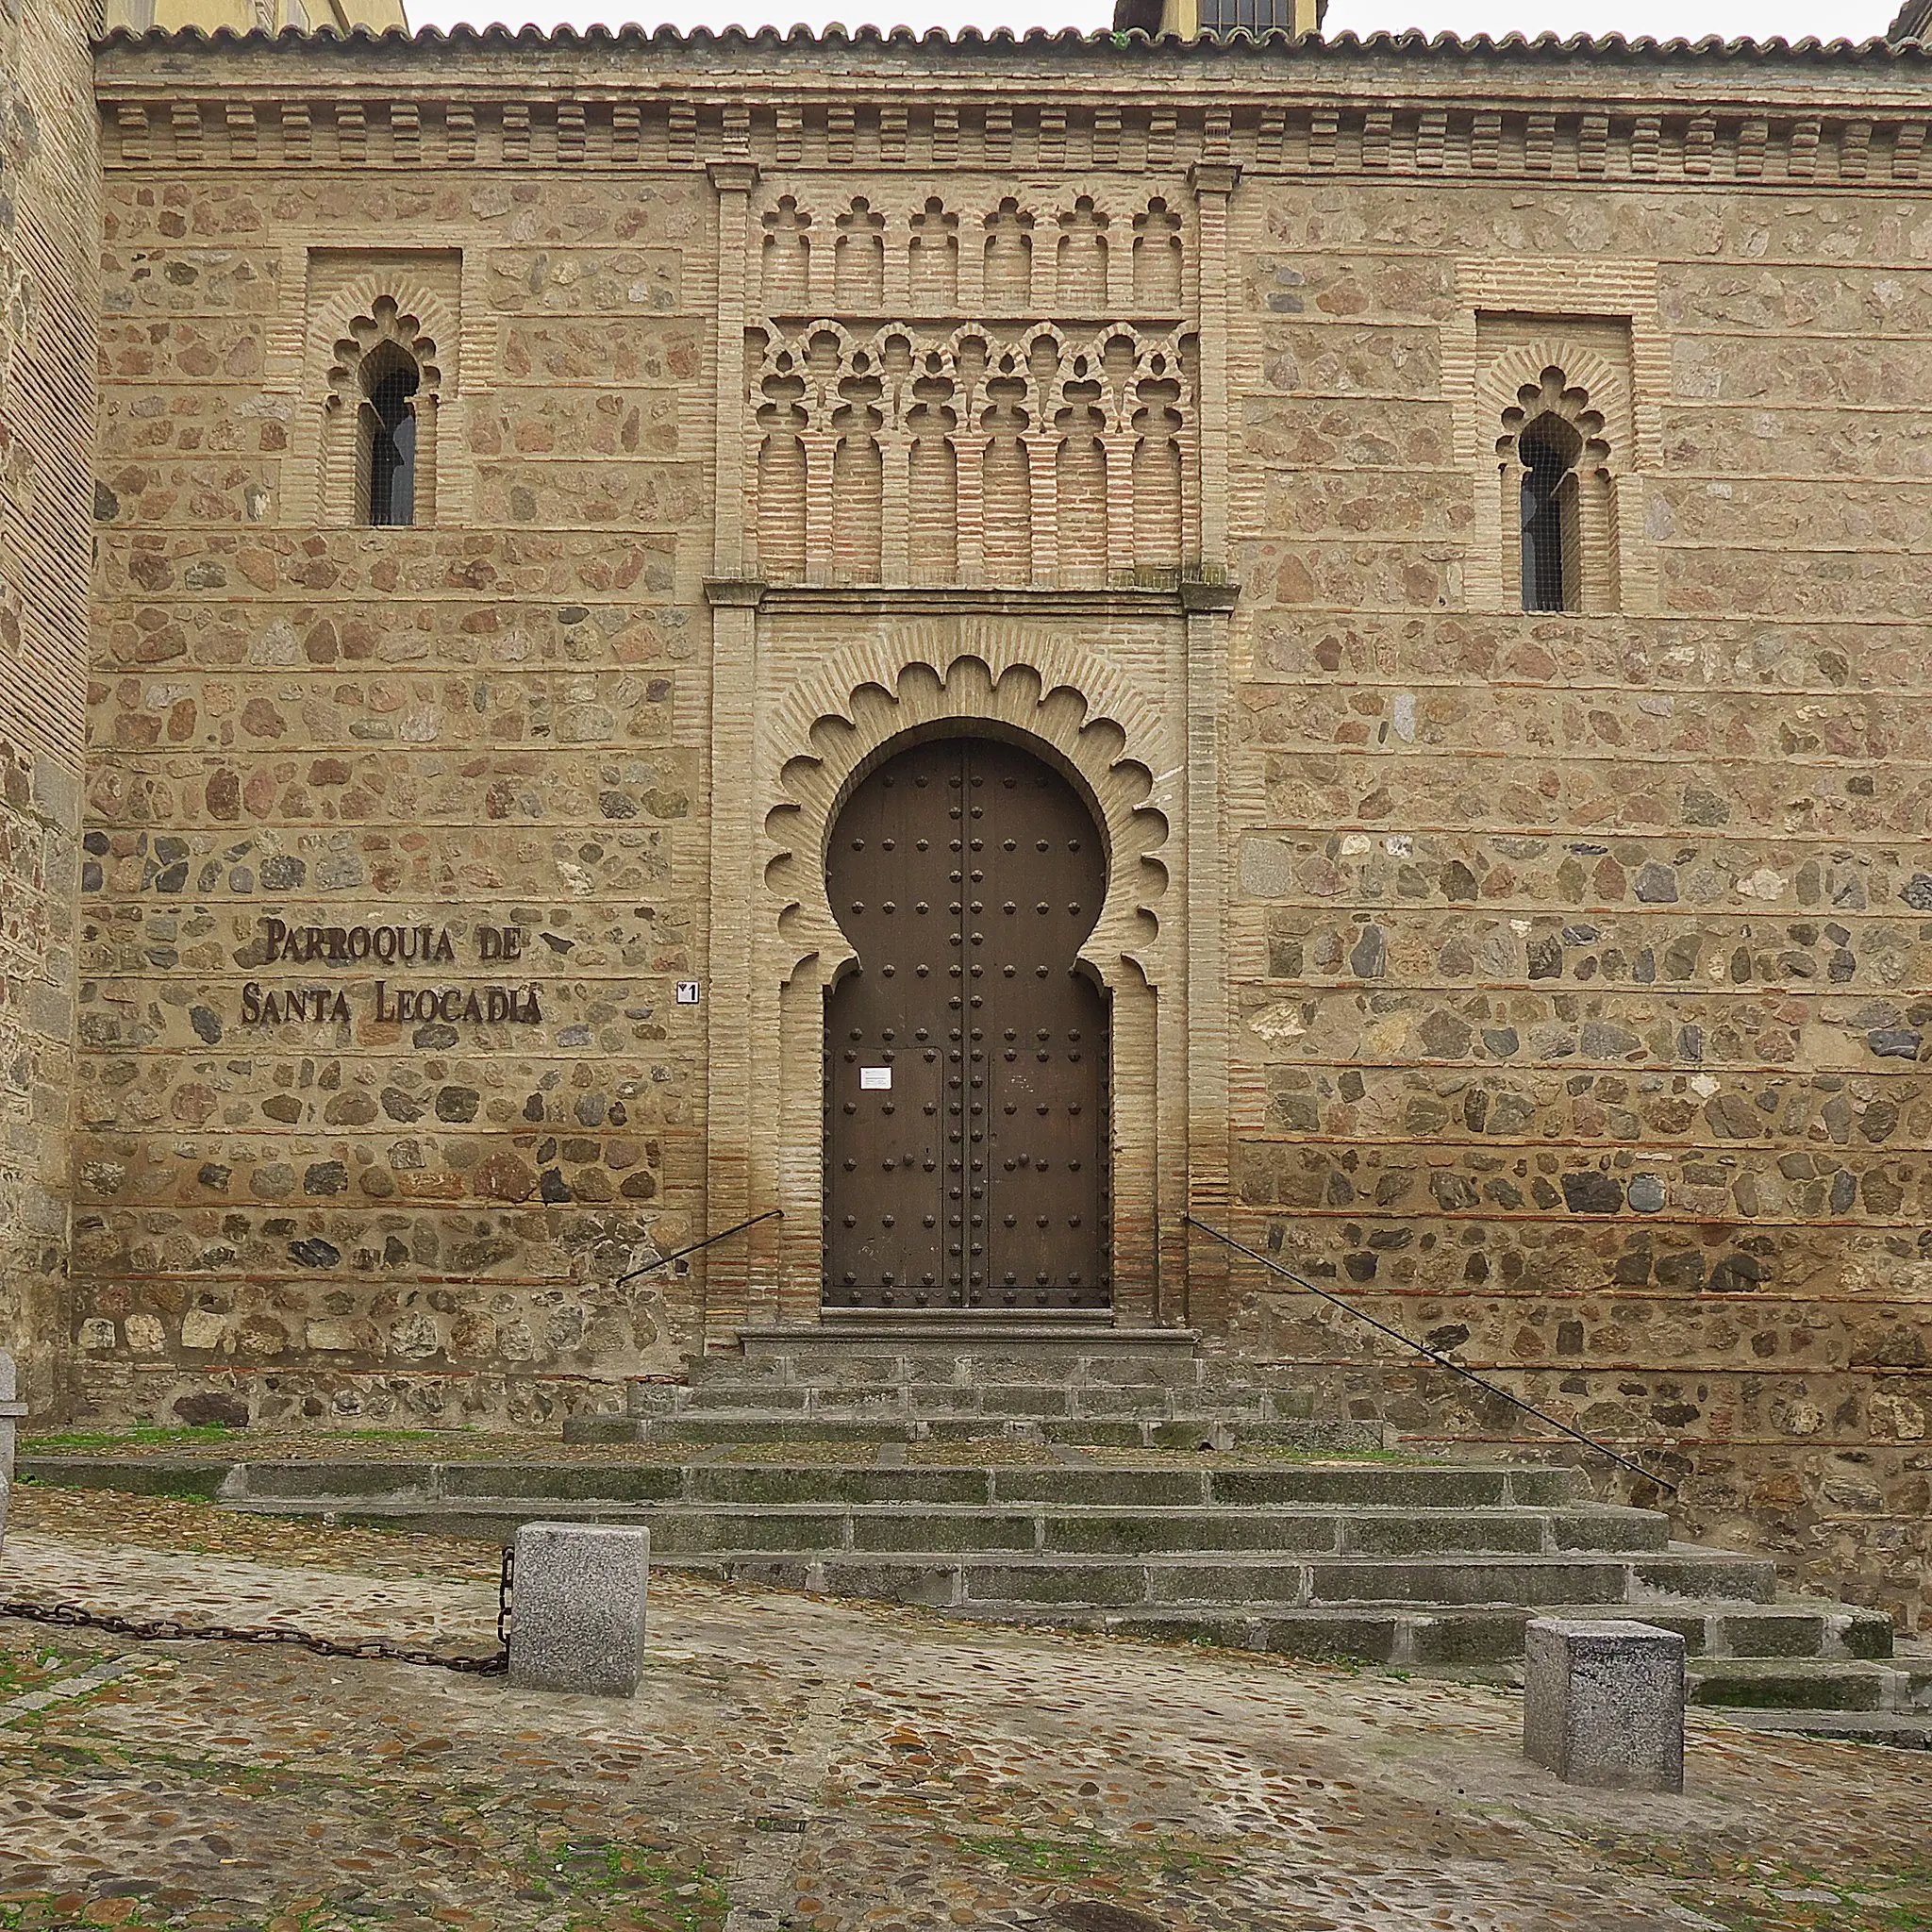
(966,1055)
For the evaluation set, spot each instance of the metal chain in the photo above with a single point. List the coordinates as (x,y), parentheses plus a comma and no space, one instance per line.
(168,1630)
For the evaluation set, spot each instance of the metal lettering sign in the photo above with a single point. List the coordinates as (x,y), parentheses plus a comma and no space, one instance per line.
(395,948)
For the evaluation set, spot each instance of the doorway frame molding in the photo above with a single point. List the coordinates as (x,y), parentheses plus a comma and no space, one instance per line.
(1094,683)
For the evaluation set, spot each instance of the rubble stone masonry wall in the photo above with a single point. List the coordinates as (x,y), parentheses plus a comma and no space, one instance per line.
(49,220)
(1582,960)
(1556,984)
(462,756)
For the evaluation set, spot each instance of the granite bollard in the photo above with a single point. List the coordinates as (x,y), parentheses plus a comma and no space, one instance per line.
(1603,1703)
(578,1608)
(10,1412)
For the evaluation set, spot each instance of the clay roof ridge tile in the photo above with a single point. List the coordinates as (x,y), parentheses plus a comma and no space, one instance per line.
(1407,41)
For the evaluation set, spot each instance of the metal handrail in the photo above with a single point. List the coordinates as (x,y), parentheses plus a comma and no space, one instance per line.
(1434,1355)
(710,1240)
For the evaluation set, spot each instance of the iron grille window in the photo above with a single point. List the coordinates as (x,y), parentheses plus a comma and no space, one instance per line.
(1548,450)
(1255,16)
(393,446)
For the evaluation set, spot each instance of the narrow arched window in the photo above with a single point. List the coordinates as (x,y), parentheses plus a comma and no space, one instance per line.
(388,441)
(1547,449)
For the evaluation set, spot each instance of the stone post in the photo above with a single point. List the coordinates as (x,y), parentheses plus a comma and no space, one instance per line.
(1603,1703)
(10,1411)
(578,1608)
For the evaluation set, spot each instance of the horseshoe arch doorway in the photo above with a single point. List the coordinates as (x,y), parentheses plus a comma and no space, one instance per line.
(967,1051)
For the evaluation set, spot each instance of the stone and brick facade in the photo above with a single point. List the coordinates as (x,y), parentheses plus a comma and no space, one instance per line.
(1554,982)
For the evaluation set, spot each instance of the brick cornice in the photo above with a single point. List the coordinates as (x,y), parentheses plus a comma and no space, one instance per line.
(1815,139)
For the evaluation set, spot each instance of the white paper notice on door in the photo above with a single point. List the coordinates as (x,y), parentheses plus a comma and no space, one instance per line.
(874,1080)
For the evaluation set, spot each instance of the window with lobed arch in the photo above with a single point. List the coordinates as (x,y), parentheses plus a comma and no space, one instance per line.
(380,432)
(1557,497)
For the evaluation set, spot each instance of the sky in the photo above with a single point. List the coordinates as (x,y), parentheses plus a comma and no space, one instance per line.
(1791,20)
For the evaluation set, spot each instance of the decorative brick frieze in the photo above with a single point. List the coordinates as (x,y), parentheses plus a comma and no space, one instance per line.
(185,128)
(352,133)
(944,475)
(239,116)
(1306,136)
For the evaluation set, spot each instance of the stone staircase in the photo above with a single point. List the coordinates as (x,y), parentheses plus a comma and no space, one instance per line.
(1415,1564)
(884,1463)
(943,1380)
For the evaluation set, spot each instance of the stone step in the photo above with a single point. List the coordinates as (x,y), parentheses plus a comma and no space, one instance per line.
(1798,1628)
(1414,1563)
(753,1425)
(697,1426)
(966,1582)
(974,1581)
(926,1401)
(1796,1683)
(1444,1635)
(1365,1485)
(814,1530)
(1904,1730)
(1417,1564)
(1196,1431)
(948,1378)
(1022,1349)
(989,1373)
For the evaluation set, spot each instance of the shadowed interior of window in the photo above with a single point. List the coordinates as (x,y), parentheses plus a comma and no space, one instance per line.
(1548,449)
(389,436)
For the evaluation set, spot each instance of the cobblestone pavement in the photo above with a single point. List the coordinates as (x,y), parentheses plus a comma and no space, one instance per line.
(802,1765)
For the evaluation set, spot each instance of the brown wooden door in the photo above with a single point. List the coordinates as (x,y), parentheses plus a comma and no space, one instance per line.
(966,1054)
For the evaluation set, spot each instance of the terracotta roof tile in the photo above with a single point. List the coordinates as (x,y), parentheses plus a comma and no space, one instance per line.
(1900,44)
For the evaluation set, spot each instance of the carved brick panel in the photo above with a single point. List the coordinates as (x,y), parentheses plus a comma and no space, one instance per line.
(990,392)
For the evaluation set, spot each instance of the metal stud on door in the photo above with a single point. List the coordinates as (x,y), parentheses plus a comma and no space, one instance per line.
(966,1053)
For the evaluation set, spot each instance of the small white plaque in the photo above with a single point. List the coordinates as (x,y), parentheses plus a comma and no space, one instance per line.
(874,1080)
(686,993)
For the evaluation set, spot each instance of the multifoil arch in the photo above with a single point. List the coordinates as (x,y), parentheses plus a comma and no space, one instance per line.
(838,725)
